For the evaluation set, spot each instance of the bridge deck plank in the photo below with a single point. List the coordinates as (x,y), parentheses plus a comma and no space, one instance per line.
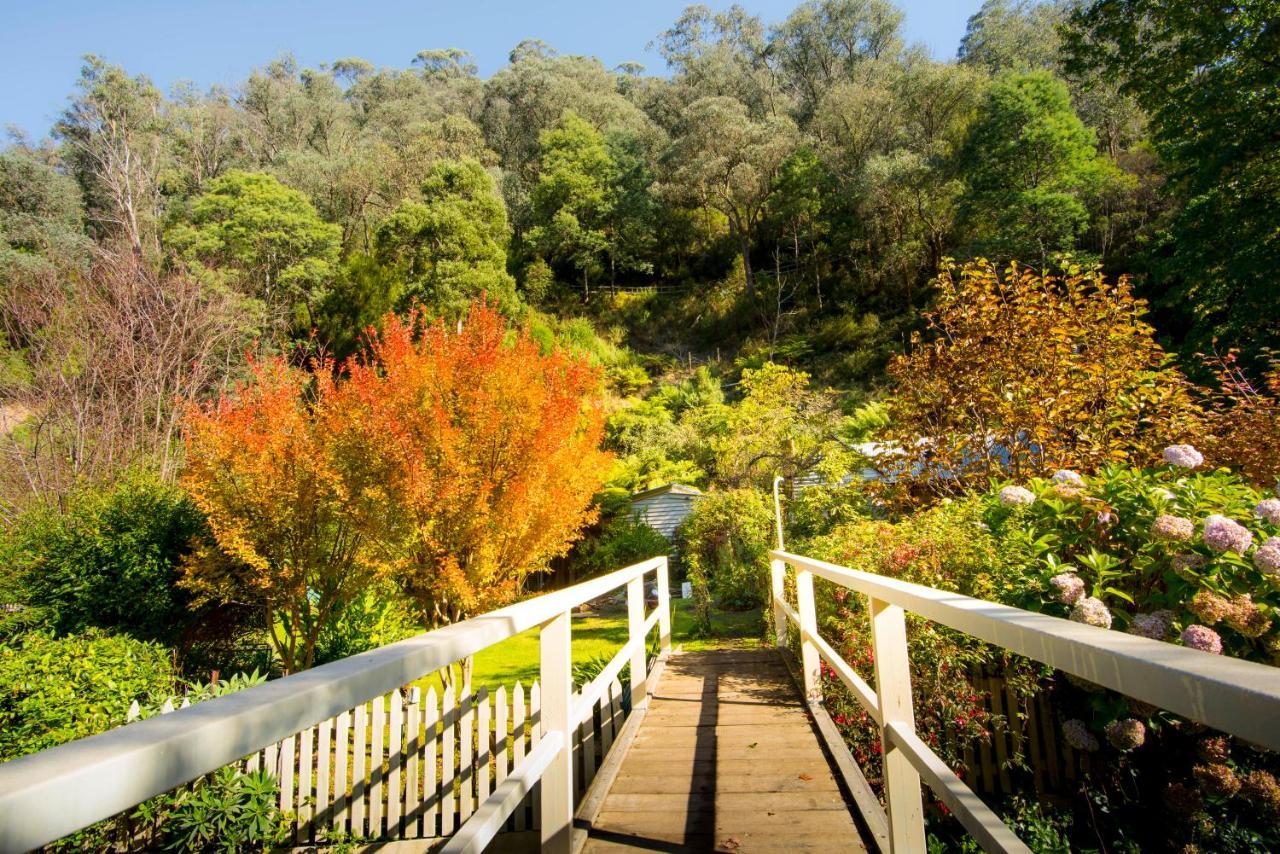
(726,759)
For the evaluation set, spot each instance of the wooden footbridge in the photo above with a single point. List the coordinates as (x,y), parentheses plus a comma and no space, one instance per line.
(725,758)
(725,750)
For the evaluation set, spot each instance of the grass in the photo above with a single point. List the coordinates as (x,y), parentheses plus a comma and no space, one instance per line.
(599,635)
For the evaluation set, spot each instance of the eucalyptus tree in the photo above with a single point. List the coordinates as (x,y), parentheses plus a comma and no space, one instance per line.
(822,42)
(530,95)
(449,246)
(265,240)
(725,160)
(114,138)
(41,218)
(722,54)
(572,200)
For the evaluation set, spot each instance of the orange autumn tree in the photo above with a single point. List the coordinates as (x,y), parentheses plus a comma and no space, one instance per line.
(1023,373)
(489,449)
(293,514)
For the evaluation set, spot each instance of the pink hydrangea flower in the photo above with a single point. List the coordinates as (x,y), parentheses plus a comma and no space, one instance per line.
(1126,734)
(1070,587)
(1173,528)
(1091,612)
(1068,477)
(1268,510)
(1225,535)
(1016,496)
(1078,736)
(1154,625)
(1267,558)
(1202,638)
(1183,456)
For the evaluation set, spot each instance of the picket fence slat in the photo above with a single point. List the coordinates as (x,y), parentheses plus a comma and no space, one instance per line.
(286,774)
(430,793)
(517,744)
(341,784)
(448,740)
(377,772)
(499,736)
(359,777)
(466,769)
(535,736)
(304,801)
(484,738)
(395,732)
(413,750)
(323,778)
(408,767)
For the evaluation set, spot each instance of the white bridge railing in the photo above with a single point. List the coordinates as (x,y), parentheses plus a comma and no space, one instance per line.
(1228,694)
(48,795)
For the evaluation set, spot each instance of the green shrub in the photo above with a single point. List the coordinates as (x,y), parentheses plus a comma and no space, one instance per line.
(55,690)
(622,542)
(538,281)
(379,617)
(1103,536)
(111,561)
(724,544)
(228,810)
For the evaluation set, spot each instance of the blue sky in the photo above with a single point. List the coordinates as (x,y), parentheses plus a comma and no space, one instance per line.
(219,42)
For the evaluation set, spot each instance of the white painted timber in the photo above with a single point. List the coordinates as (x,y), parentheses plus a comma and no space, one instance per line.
(50,794)
(1229,694)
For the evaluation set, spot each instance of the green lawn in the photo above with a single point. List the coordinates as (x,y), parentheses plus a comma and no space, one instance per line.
(599,635)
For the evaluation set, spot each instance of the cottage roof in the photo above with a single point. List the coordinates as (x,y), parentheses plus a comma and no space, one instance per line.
(667,489)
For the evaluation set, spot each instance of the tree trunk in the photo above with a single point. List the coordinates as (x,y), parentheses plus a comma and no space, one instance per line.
(748,273)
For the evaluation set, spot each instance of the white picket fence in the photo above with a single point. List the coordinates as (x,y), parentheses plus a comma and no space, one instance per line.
(411,767)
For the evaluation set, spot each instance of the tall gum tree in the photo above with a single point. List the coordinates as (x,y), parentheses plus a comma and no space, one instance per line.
(725,160)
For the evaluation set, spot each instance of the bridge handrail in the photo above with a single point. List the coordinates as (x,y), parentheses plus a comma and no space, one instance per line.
(1235,696)
(47,795)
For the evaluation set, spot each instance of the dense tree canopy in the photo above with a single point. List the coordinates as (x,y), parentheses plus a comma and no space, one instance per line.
(262,238)
(1032,170)
(1209,79)
(449,245)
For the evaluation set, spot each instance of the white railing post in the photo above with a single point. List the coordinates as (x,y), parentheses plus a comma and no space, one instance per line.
(556,674)
(808,629)
(777,595)
(635,636)
(664,605)
(893,691)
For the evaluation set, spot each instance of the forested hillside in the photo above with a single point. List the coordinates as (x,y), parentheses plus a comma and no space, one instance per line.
(785,191)
(297,367)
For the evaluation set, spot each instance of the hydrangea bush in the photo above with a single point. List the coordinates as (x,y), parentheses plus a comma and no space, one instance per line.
(1175,553)
(1178,553)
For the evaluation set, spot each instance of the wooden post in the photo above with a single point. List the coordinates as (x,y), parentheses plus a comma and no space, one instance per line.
(808,628)
(556,675)
(893,691)
(778,587)
(664,606)
(635,636)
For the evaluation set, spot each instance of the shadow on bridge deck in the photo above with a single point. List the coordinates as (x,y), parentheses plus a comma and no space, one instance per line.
(725,759)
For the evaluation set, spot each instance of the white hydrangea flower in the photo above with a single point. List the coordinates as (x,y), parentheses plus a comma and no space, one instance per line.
(1016,496)
(1092,612)
(1183,456)
(1068,477)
